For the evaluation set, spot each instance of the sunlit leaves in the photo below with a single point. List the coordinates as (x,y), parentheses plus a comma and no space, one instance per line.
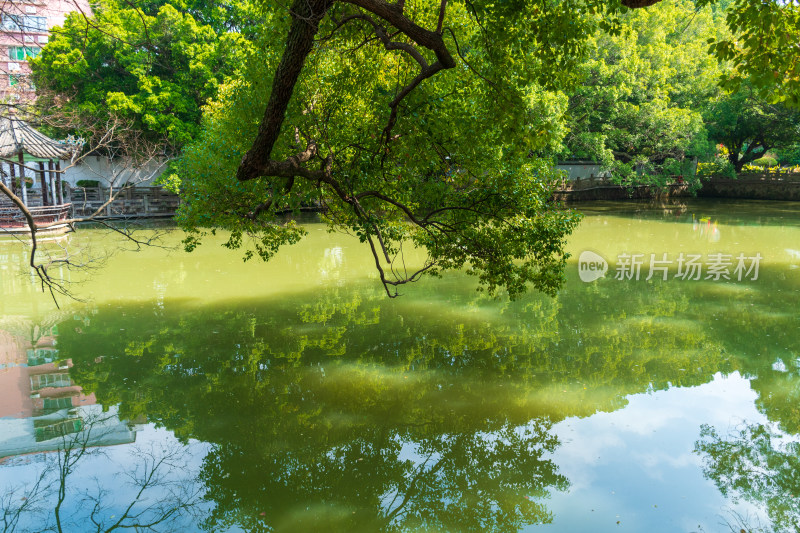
(764,48)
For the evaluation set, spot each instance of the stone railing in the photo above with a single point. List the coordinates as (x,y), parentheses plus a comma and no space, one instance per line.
(132,202)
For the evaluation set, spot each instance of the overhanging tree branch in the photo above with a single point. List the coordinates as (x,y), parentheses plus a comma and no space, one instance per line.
(306,18)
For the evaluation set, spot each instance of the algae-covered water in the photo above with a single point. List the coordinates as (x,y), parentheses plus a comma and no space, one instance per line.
(199,392)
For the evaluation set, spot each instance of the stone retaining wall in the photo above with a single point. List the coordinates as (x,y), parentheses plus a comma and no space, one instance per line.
(617,192)
(157,202)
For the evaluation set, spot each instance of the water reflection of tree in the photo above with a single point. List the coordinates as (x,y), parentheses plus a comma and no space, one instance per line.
(326,409)
(760,465)
(471,481)
(366,446)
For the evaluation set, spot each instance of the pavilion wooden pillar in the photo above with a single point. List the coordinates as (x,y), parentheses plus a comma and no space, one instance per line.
(43,177)
(22,181)
(13,174)
(57,177)
(53,191)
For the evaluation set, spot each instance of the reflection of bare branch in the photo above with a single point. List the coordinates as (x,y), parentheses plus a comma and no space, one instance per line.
(163,495)
(737,522)
(73,448)
(16,502)
(152,466)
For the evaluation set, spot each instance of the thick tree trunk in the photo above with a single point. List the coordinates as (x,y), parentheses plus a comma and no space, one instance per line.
(306,16)
(737,163)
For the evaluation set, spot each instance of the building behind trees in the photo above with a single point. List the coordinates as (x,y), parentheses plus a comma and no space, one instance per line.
(24,29)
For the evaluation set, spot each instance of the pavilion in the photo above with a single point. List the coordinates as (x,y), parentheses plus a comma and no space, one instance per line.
(30,165)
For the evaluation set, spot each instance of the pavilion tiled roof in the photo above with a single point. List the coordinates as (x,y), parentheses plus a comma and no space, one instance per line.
(16,137)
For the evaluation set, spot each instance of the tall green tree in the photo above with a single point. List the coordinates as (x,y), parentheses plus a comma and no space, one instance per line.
(639,105)
(411,125)
(749,126)
(153,65)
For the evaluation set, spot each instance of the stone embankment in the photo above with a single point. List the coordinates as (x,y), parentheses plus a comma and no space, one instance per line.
(754,187)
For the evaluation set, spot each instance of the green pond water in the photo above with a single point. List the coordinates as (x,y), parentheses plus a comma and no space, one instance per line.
(295,396)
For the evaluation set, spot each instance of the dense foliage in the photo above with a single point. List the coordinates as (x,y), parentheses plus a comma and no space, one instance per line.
(762,48)
(454,176)
(650,105)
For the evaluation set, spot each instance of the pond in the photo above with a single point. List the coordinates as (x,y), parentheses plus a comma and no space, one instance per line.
(200,392)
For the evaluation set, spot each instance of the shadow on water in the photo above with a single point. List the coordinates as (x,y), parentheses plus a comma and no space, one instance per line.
(341,410)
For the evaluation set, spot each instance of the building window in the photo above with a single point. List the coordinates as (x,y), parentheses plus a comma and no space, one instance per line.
(10,22)
(21,82)
(22,53)
(55,380)
(24,23)
(57,404)
(42,356)
(52,429)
